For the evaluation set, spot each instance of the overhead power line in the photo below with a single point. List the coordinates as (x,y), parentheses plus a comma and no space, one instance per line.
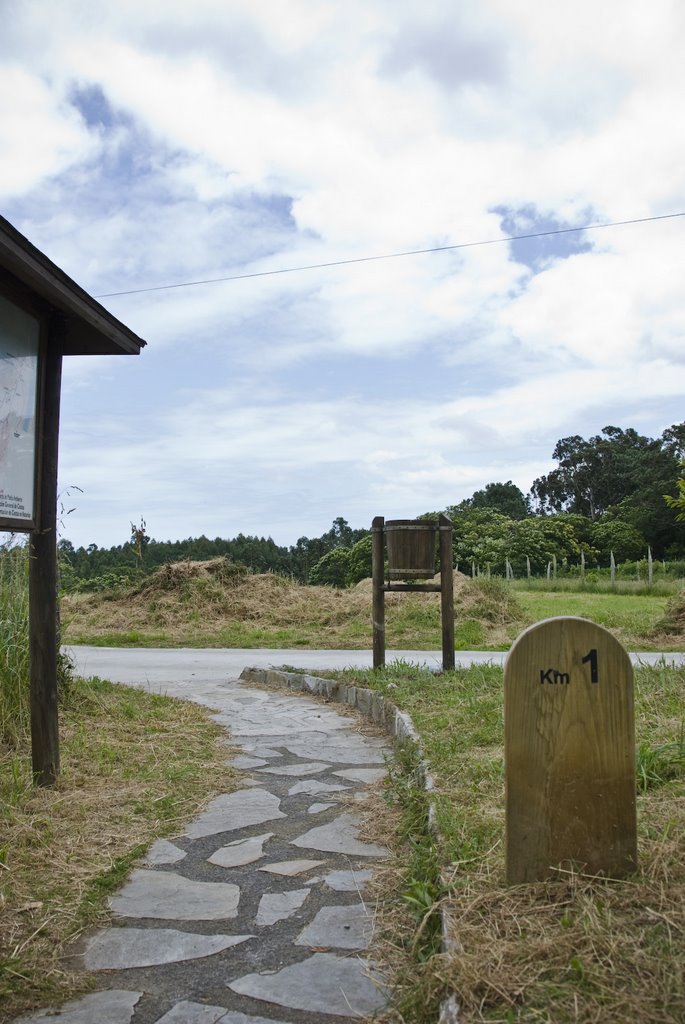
(391,255)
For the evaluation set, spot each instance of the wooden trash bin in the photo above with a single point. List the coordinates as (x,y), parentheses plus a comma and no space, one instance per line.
(411,549)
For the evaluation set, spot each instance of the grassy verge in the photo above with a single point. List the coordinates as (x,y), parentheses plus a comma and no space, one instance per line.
(135,766)
(572,950)
(630,617)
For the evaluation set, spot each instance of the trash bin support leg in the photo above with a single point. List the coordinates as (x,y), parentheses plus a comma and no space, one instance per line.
(378,610)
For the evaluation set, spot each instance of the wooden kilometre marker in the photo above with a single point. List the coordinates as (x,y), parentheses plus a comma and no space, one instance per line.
(569,752)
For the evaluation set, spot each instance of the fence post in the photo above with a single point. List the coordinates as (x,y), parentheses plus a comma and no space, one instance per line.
(447,592)
(378,603)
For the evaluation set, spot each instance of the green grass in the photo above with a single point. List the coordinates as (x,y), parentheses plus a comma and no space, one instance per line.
(469,635)
(655,766)
(630,616)
(238,635)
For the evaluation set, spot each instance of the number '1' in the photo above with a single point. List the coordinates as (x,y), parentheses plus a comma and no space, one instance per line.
(591,656)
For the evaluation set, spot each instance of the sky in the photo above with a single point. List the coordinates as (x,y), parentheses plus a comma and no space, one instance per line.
(151,144)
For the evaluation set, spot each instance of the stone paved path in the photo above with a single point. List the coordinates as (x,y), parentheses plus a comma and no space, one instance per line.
(257,914)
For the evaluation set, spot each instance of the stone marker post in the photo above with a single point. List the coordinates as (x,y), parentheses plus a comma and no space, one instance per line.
(569,750)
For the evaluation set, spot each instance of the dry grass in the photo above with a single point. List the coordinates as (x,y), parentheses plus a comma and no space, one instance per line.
(672,623)
(210,604)
(135,766)
(577,949)
(193,598)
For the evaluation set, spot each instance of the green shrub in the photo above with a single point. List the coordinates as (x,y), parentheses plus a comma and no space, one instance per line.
(113,581)
(333,569)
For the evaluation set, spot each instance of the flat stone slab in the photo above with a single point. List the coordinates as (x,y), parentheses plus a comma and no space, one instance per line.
(188,1012)
(113,1007)
(339,836)
(365,775)
(350,751)
(242,851)
(276,906)
(123,948)
(348,927)
(163,852)
(274,717)
(292,867)
(244,761)
(166,896)
(348,881)
(311,768)
(324,983)
(312,787)
(318,808)
(236,810)
(234,1017)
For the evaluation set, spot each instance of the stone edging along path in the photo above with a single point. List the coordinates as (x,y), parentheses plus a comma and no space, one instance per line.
(399,725)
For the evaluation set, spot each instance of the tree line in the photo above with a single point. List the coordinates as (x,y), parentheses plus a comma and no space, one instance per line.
(93,568)
(617,494)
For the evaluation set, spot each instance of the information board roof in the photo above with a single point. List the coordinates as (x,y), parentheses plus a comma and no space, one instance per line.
(90,328)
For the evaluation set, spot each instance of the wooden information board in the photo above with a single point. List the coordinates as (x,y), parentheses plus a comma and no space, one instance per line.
(569,750)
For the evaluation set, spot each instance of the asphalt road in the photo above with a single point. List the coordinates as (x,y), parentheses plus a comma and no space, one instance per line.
(159,666)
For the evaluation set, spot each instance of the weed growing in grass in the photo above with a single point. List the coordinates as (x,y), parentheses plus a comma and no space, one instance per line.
(657,765)
(422,885)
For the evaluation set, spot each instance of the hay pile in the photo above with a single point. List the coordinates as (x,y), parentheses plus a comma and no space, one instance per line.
(190,601)
(672,623)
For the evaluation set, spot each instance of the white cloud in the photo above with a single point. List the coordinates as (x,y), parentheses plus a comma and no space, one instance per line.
(55,138)
(243,138)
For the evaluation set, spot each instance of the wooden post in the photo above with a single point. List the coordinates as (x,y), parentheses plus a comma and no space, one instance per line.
(447,592)
(43,632)
(569,749)
(378,606)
